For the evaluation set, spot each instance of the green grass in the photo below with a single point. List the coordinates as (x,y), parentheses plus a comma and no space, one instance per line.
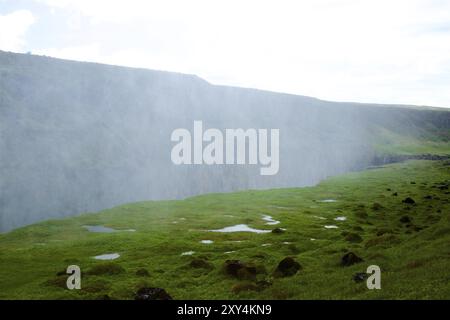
(388,142)
(415,259)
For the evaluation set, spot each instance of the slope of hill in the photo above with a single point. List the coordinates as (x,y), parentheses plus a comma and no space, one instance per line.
(168,244)
(78,137)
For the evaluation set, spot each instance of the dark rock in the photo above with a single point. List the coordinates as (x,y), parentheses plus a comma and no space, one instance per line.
(241,270)
(350,259)
(231,267)
(277,230)
(287,267)
(152,294)
(413,182)
(405,219)
(409,200)
(388,189)
(360,276)
(395,194)
(142,272)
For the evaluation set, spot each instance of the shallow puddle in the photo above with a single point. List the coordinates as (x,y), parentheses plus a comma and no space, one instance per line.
(207,241)
(327,200)
(240,228)
(278,207)
(340,218)
(270,220)
(108,256)
(331,227)
(188,253)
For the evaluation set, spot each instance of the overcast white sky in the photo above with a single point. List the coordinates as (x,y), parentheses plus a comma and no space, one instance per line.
(385,51)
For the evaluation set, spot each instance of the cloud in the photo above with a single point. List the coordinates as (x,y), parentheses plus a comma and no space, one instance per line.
(13,27)
(368,51)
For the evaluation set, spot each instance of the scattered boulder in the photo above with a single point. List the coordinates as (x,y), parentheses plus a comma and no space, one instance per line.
(388,189)
(287,267)
(277,230)
(152,294)
(409,200)
(350,259)
(240,270)
(231,267)
(405,219)
(142,272)
(413,182)
(360,276)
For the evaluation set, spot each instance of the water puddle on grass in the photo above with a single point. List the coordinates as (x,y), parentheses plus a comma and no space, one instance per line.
(270,220)
(319,217)
(108,256)
(327,200)
(331,227)
(278,207)
(188,253)
(103,229)
(340,218)
(240,228)
(266,244)
(206,241)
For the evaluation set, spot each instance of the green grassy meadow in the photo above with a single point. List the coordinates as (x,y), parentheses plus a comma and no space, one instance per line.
(414,256)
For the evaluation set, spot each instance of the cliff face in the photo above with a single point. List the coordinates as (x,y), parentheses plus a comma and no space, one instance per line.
(77,137)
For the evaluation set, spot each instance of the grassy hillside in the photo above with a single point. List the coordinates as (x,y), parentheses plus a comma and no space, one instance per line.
(414,255)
